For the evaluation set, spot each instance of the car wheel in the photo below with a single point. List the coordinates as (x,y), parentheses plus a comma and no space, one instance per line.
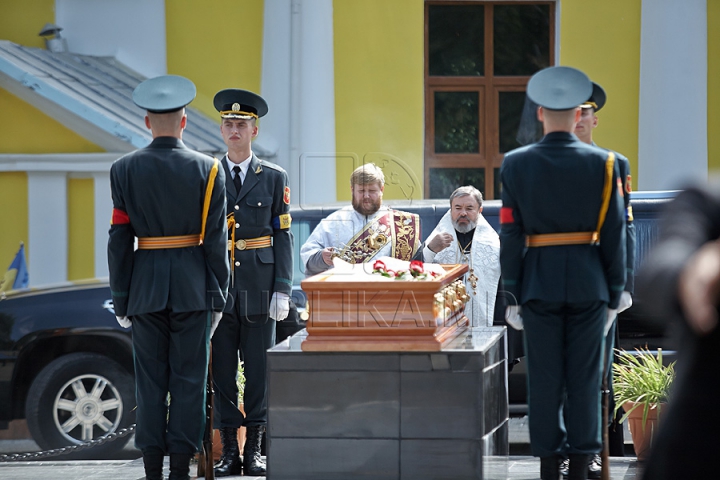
(78,398)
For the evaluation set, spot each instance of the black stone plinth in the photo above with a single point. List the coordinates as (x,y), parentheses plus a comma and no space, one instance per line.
(388,415)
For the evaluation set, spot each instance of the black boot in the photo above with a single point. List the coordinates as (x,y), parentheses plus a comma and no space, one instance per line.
(230,462)
(153,462)
(254,465)
(550,468)
(578,467)
(180,466)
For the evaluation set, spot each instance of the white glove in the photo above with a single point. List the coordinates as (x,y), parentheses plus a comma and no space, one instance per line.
(124,322)
(216,317)
(513,318)
(611,315)
(279,306)
(625,302)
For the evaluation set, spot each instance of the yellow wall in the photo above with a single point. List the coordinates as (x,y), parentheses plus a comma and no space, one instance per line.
(81,228)
(379,54)
(26,129)
(602,38)
(713,79)
(19,25)
(13,216)
(216,44)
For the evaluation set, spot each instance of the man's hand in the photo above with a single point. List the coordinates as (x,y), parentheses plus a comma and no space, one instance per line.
(611,315)
(699,288)
(513,318)
(327,255)
(279,306)
(216,317)
(124,322)
(625,302)
(440,242)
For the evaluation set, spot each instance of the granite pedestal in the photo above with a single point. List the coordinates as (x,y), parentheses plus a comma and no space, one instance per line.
(388,415)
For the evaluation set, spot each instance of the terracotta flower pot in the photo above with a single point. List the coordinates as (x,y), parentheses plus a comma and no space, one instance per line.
(642,436)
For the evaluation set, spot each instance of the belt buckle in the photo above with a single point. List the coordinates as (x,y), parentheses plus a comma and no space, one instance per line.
(241,244)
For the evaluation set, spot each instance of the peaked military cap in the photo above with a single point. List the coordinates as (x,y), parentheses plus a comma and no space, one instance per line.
(236,103)
(597,99)
(559,88)
(164,94)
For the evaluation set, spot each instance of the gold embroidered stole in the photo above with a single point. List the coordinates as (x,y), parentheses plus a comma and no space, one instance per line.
(405,235)
(400,228)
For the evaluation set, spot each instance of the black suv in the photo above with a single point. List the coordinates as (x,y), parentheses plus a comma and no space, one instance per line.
(66,365)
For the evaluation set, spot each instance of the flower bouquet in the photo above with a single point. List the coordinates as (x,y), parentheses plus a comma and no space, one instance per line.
(401,270)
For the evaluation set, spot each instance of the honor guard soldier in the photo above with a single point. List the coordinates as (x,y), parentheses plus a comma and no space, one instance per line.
(261,251)
(173,288)
(584,131)
(562,256)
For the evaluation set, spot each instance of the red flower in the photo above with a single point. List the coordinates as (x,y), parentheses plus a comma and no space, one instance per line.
(416,266)
(379,265)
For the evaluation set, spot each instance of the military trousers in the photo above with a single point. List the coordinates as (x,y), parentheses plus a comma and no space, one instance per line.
(564,345)
(171,356)
(247,339)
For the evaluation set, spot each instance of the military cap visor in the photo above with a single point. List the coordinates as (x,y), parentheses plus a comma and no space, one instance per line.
(559,88)
(597,99)
(164,94)
(241,104)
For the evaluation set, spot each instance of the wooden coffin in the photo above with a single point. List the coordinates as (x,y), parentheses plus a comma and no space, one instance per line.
(373,313)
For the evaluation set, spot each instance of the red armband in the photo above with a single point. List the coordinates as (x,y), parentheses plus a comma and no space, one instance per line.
(506,215)
(119,217)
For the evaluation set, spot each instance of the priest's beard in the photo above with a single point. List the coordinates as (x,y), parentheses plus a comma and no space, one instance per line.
(464,227)
(367,206)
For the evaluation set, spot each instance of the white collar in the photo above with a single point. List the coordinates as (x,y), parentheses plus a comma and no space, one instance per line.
(243,165)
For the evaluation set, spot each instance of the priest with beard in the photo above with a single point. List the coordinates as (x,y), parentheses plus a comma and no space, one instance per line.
(463,236)
(364,230)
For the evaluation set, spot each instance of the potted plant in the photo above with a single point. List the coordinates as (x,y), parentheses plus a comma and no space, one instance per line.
(217,444)
(641,383)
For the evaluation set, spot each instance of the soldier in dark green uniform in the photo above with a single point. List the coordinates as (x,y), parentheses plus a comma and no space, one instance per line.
(173,288)
(261,246)
(584,131)
(562,255)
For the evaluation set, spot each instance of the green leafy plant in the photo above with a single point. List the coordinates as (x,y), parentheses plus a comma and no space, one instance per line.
(641,378)
(241,381)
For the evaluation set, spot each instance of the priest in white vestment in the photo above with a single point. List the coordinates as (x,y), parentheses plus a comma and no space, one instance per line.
(364,230)
(463,236)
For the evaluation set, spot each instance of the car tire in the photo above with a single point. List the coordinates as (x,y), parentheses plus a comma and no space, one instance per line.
(81,397)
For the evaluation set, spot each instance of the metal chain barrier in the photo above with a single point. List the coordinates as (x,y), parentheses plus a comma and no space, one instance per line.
(24,457)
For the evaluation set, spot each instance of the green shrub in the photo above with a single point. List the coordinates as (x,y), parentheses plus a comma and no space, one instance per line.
(641,378)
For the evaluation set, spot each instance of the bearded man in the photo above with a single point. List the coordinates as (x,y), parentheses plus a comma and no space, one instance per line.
(463,236)
(364,230)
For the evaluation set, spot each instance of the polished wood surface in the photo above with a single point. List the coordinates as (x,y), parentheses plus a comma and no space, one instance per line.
(370,313)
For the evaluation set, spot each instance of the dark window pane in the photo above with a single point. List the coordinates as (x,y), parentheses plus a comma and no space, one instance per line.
(455,40)
(509,115)
(456,122)
(444,181)
(496,182)
(521,39)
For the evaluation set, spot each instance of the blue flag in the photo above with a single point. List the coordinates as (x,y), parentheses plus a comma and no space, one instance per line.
(17,275)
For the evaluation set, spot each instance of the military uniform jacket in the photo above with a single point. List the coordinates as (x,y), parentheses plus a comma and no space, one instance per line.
(257,208)
(159,191)
(626,178)
(556,186)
